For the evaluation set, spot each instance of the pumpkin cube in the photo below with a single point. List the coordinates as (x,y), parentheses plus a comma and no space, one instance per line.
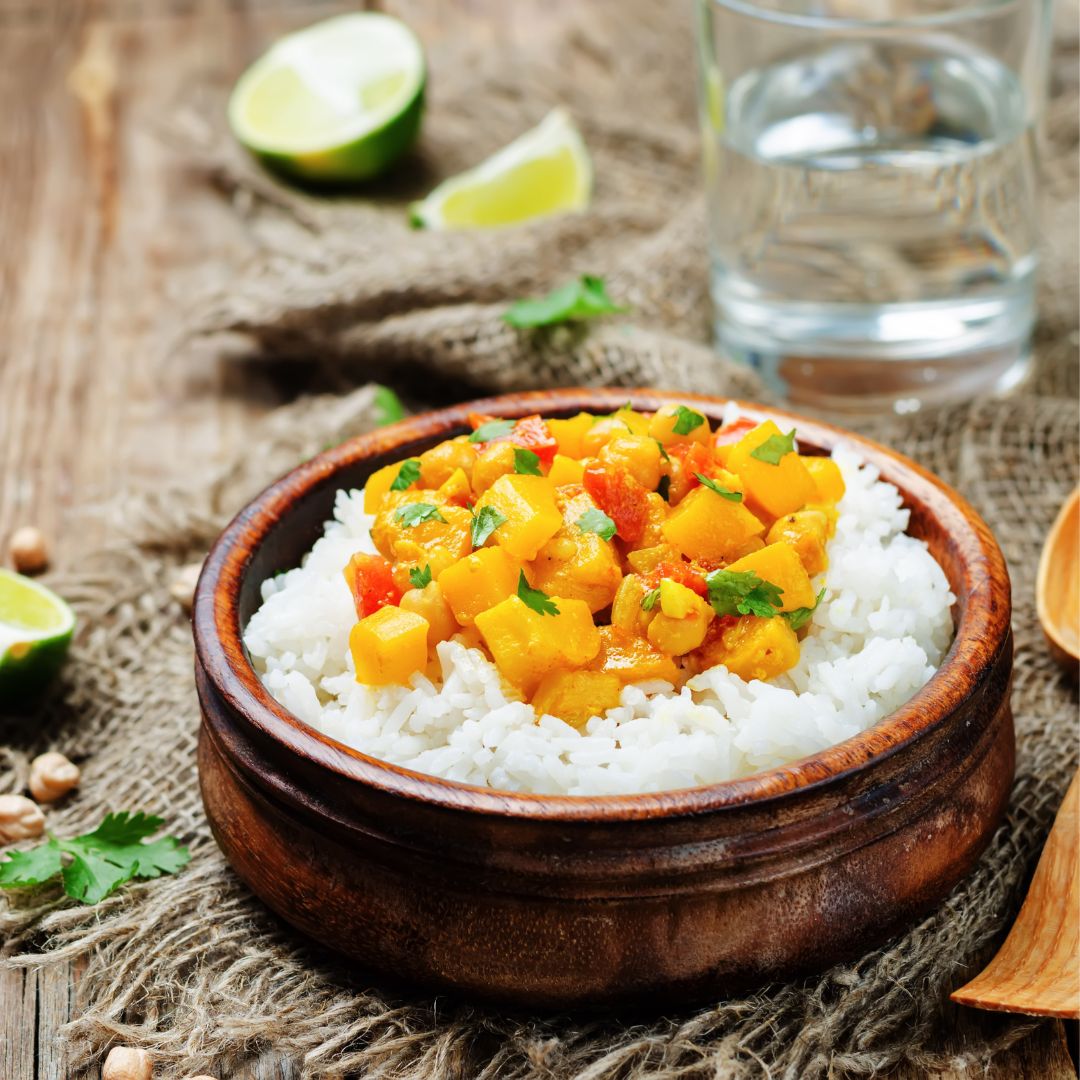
(454,489)
(528,505)
(577,696)
(389,646)
(478,582)
(677,601)
(829,484)
(526,645)
(776,489)
(566,470)
(780,564)
(754,648)
(569,434)
(377,486)
(632,658)
(707,526)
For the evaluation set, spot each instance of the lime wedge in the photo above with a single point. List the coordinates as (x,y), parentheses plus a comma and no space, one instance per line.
(545,171)
(35,631)
(340,100)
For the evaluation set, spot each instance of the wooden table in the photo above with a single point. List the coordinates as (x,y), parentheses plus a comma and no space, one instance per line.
(98,220)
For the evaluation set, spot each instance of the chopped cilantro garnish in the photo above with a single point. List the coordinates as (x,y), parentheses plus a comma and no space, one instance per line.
(723,492)
(774,448)
(484,523)
(732,592)
(663,450)
(407,475)
(493,429)
(802,615)
(582,299)
(526,462)
(596,521)
(534,598)
(388,407)
(648,601)
(686,420)
(420,579)
(417,513)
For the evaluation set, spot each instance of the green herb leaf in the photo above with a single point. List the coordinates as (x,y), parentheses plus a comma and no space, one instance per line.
(99,861)
(493,429)
(723,492)
(388,407)
(663,450)
(420,579)
(742,593)
(774,448)
(534,598)
(802,615)
(417,513)
(596,521)
(585,298)
(663,489)
(686,420)
(407,475)
(484,524)
(526,462)
(648,601)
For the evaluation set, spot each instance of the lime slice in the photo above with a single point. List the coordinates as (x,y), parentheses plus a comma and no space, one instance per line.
(35,631)
(340,100)
(545,171)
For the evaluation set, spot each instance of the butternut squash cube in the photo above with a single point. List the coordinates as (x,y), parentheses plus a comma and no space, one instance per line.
(389,646)
(780,564)
(828,480)
(569,434)
(526,645)
(377,486)
(677,601)
(528,504)
(566,470)
(707,526)
(754,648)
(632,658)
(577,696)
(478,582)
(776,489)
(454,489)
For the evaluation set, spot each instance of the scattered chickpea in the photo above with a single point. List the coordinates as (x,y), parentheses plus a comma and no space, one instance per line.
(28,550)
(127,1063)
(52,776)
(183,585)
(20,819)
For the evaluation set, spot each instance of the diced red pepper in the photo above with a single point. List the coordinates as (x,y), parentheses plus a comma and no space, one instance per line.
(371,583)
(693,458)
(621,497)
(530,433)
(679,571)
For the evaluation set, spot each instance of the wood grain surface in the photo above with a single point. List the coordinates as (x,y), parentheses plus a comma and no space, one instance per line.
(98,221)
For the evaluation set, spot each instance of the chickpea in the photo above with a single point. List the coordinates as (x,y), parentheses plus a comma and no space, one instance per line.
(439,463)
(52,776)
(20,819)
(127,1063)
(662,426)
(676,637)
(638,455)
(431,604)
(28,550)
(497,460)
(182,588)
(598,436)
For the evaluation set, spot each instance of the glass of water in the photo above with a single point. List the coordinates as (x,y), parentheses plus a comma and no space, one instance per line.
(871,178)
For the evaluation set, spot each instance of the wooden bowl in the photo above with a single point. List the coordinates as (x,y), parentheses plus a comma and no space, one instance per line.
(558,901)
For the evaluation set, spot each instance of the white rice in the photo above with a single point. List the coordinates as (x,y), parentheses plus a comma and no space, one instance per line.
(878,636)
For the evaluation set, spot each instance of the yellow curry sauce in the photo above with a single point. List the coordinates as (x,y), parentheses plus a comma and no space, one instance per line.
(587,553)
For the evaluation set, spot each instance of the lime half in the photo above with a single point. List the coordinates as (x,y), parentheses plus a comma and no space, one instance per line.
(545,171)
(35,631)
(338,101)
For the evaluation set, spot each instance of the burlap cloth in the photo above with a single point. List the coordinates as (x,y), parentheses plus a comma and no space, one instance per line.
(192,966)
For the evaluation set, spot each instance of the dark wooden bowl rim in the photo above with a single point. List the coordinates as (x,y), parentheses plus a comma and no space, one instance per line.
(982,627)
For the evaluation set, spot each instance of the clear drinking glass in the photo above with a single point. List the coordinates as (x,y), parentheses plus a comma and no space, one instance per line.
(871,178)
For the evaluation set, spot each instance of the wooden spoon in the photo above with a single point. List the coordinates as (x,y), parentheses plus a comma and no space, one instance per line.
(1057,588)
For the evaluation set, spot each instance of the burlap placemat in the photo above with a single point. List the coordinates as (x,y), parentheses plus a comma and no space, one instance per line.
(192,966)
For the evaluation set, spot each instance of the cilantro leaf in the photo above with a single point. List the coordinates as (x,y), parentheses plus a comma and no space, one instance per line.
(596,521)
(582,299)
(526,462)
(420,579)
(686,420)
(663,489)
(99,862)
(534,598)
(723,492)
(663,450)
(493,429)
(417,513)
(648,601)
(407,475)
(774,448)
(802,615)
(388,407)
(732,592)
(484,523)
